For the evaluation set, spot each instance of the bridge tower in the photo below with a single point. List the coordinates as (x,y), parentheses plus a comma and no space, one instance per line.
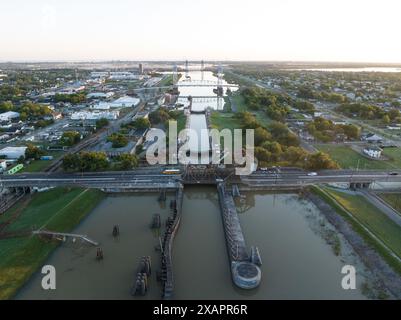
(175,74)
(220,90)
(186,69)
(219,76)
(202,69)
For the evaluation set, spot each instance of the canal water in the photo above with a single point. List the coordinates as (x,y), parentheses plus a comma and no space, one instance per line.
(202,97)
(297,261)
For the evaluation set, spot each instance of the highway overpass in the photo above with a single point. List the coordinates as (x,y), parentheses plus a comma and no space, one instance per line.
(154,179)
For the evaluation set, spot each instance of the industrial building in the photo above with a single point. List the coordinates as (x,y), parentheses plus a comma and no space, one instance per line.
(123,75)
(99,95)
(123,102)
(8,116)
(94,115)
(13,152)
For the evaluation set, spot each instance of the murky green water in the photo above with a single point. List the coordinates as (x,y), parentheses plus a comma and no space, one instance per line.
(297,262)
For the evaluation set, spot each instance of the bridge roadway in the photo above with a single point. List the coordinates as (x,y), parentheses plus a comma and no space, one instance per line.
(300,178)
(150,177)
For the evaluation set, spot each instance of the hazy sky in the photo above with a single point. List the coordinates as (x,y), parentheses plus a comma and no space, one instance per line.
(324,30)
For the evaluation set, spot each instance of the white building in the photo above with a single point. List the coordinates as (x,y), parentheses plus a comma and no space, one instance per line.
(99,74)
(393,127)
(98,95)
(373,152)
(72,88)
(372,137)
(9,115)
(94,115)
(101,106)
(3,165)
(125,102)
(123,75)
(13,152)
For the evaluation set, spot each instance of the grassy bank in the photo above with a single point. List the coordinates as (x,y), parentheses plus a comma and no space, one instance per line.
(393,199)
(366,220)
(239,101)
(60,210)
(349,159)
(222,121)
(181,121)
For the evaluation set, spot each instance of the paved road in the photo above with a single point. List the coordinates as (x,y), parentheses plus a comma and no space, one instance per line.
(154,176)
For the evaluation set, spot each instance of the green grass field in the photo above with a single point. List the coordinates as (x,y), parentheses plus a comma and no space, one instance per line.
(360,215)
(369,216)
(181,121)
(224,121)
(393,199)
(40,165)
(239,102)
(350,159)
(58,209)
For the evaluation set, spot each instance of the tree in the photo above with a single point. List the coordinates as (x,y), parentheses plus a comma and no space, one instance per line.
(295,155)
(33,152)
(386,119)
(86,161)
(141,123)
(102,122)
(351,131)
(127,161)
(72,98)
(261,135)
(394,114)
(72,162)
(161,115)
(94,161)
(6,106)
(262,155)
(319,161)
(118,140)
(305,106)
(69,138)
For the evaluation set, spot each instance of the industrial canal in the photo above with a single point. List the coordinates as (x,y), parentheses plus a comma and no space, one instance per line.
(297,262)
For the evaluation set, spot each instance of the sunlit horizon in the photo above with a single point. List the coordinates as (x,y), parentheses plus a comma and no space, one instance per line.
(278,31)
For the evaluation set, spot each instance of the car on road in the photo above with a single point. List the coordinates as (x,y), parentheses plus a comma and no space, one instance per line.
(393,173)
(312,174)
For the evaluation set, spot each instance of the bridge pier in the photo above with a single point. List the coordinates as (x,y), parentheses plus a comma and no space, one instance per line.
(359,185)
